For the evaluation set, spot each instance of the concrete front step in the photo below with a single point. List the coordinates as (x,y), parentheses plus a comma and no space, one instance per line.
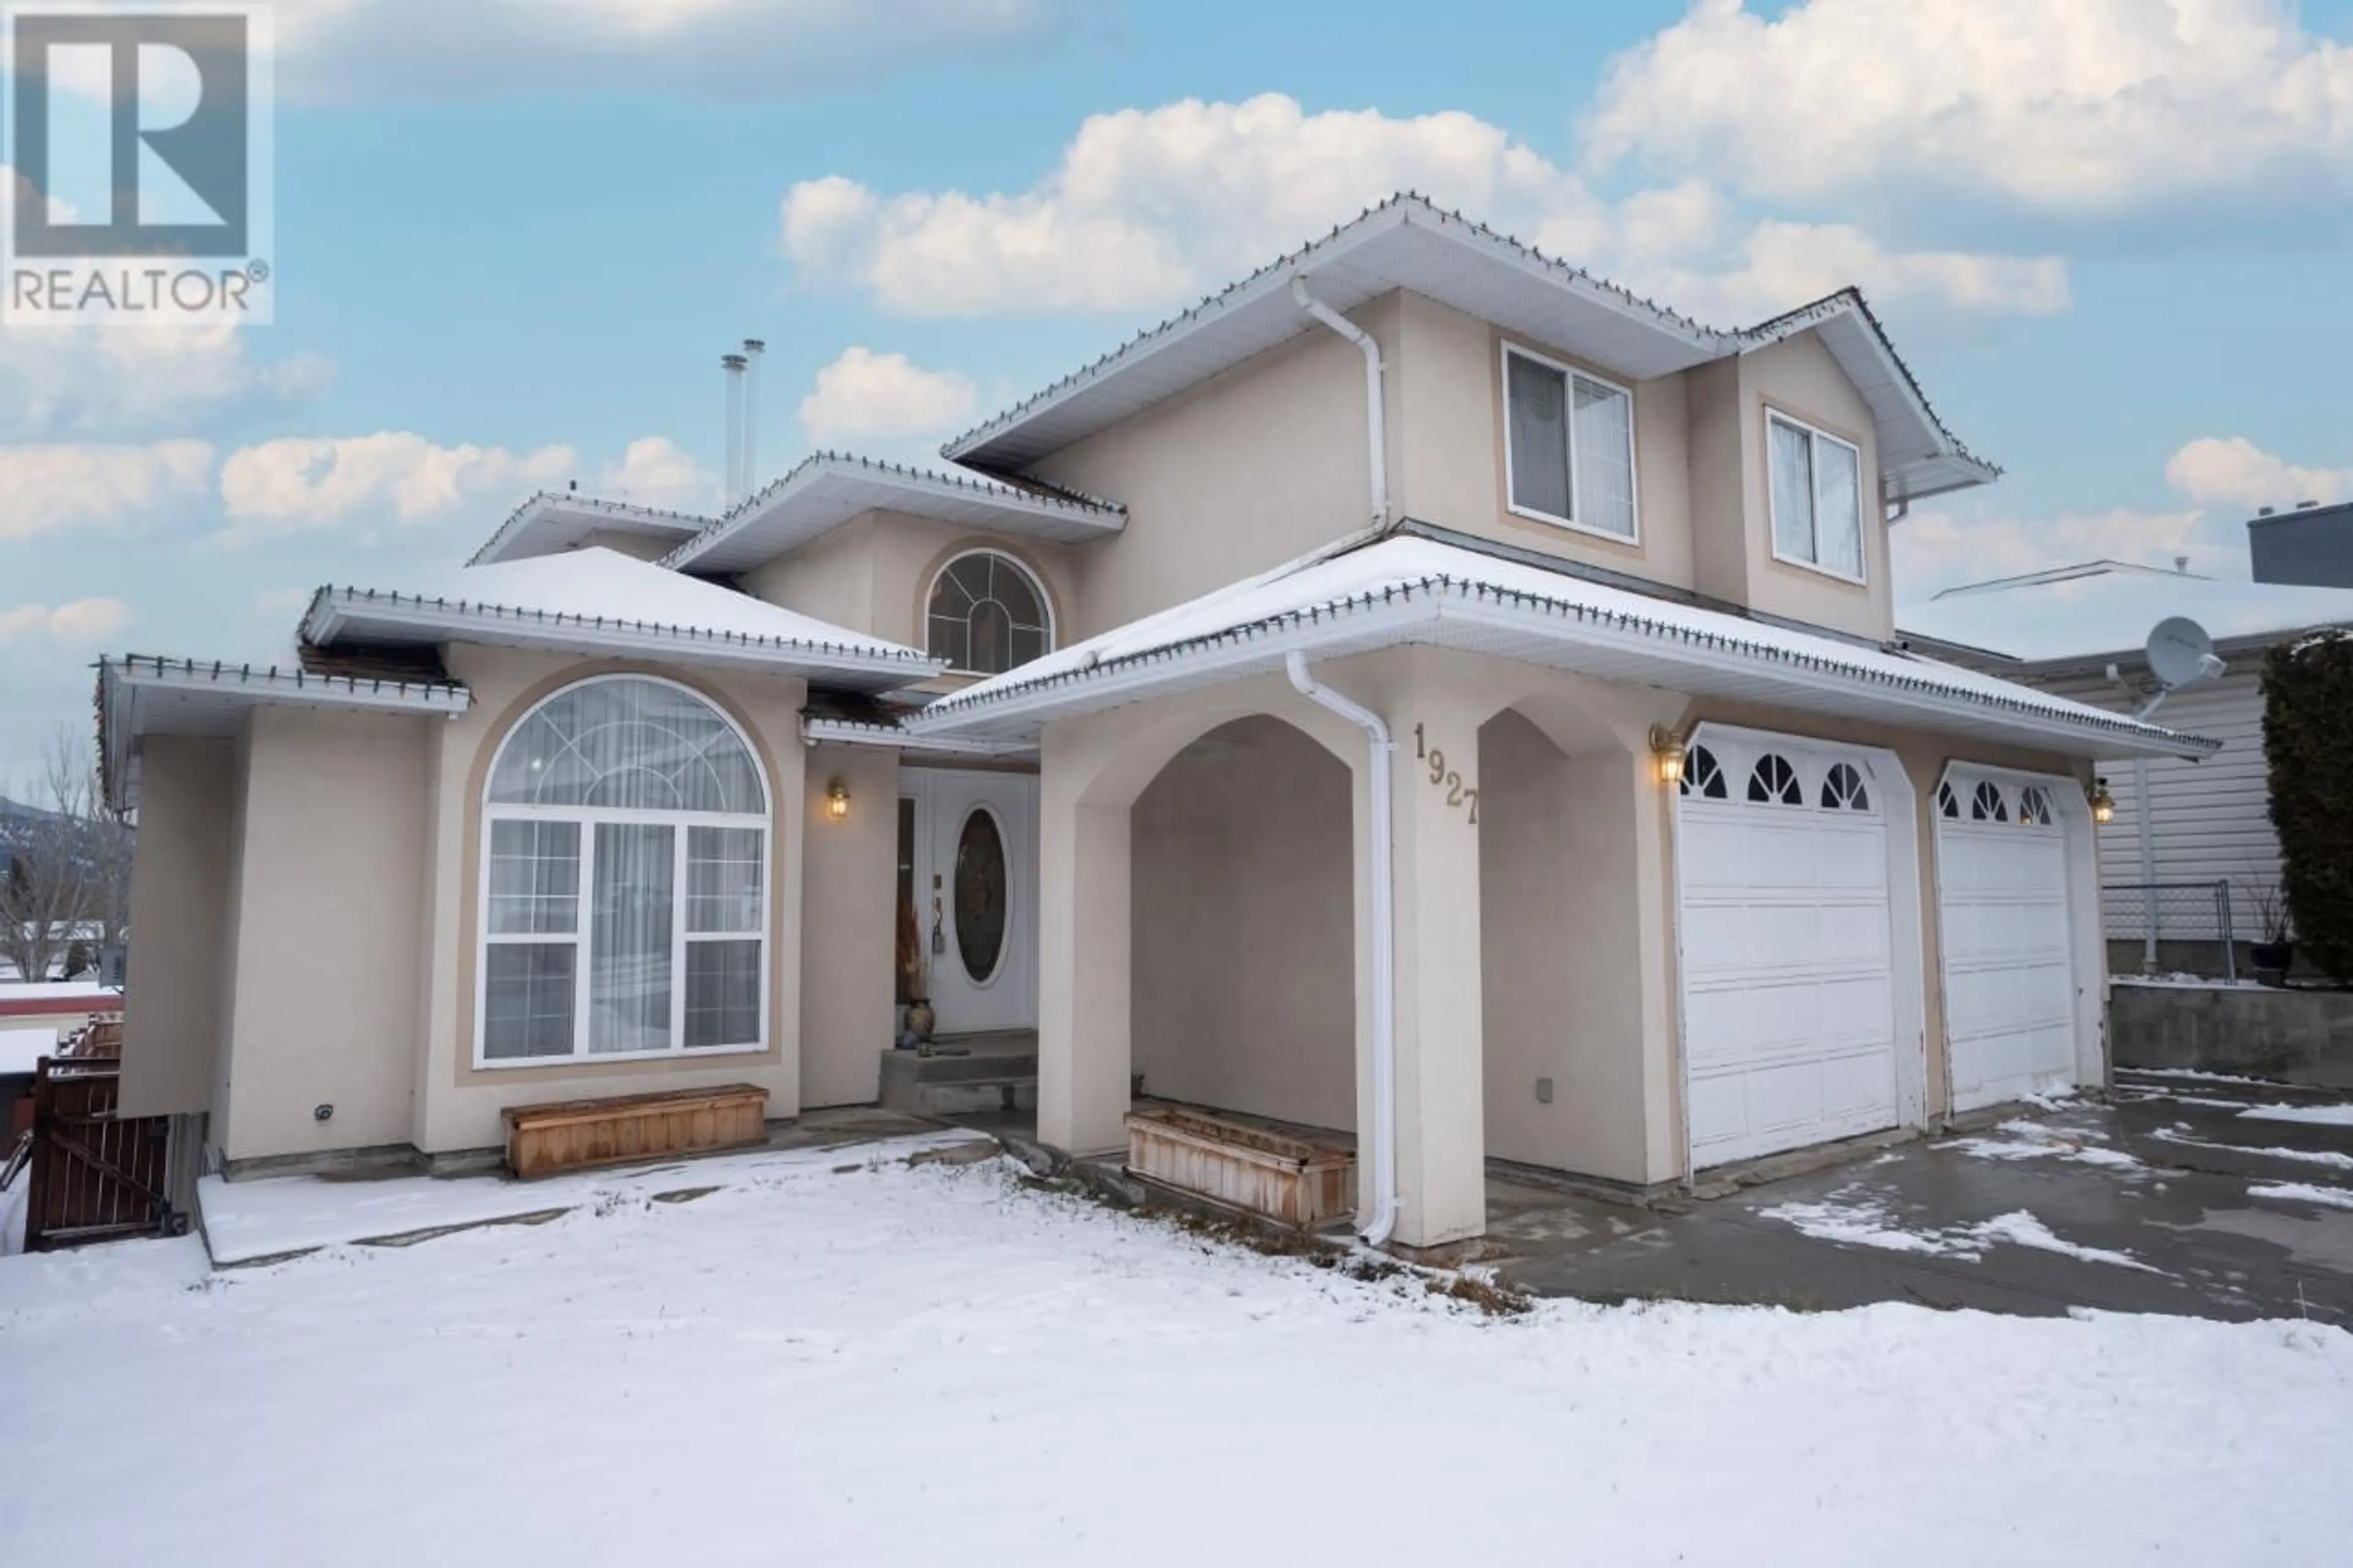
(997,1072)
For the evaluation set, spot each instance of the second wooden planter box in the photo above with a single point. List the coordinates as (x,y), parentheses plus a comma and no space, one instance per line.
(1289,1179)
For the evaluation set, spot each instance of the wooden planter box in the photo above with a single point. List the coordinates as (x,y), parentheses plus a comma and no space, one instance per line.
(1287,1179)
(544,1139)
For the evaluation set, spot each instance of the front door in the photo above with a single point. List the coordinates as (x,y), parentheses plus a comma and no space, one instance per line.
(976,896)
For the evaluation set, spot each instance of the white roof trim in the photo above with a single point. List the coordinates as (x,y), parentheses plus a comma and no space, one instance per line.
(1408,243)
(557,520)
(831,488)
(1416,590)
(894,737)
(374,615)
(140,694)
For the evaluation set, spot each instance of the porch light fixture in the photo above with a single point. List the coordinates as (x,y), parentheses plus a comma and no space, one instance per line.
(837,800)
(1667,751)
(2104,804)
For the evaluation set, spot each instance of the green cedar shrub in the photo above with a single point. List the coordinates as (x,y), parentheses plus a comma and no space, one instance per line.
(2309,747)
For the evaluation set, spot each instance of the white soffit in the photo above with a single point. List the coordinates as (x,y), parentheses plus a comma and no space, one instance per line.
(555,520)
(830,488)
(1414,591)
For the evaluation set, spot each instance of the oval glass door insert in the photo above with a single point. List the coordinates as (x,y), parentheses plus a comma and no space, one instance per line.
(980,894)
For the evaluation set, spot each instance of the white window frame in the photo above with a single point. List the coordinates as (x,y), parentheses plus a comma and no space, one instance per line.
(1633,447)
(682,823)
(1772,505)
(1037,584)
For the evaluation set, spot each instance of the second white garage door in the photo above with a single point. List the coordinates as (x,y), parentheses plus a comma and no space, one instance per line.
(1789,988)
(2009,954)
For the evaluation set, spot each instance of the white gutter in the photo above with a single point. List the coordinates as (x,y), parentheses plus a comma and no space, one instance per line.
(1375,428)
(1382,1202)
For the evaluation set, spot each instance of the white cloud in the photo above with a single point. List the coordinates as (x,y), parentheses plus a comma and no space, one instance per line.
(1152,206)
(81,623)
(382,48)
(55,489)
(2236,473)
(654,471)
(298,485)
(866,396)
(2079,109)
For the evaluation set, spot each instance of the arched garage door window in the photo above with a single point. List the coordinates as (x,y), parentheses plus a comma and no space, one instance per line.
(625,862)
(987,615)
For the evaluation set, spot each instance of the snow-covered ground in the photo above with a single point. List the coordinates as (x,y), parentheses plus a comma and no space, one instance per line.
(844,1360)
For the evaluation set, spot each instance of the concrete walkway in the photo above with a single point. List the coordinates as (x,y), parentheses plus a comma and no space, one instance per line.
(2170,1199)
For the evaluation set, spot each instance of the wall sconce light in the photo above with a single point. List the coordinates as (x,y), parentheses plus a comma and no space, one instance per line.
(837,801)
(2104,804)
(1667,751)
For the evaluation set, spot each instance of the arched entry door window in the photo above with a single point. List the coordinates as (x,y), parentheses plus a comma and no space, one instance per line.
(624,848)
(987,615)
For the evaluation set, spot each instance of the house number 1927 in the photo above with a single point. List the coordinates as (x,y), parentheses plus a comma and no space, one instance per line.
(1458,795)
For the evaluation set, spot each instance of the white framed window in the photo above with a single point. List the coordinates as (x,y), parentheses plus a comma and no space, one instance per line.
(1816,496)
(625,866)
(985,614)
(1569,446)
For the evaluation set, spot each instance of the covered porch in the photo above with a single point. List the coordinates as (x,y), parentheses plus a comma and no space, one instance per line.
(1381,847)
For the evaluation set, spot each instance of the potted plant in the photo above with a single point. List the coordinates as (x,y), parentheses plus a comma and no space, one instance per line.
(2276,952)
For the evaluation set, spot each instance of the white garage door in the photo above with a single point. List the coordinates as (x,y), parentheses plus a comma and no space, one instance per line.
(1789,995)
(2010,992)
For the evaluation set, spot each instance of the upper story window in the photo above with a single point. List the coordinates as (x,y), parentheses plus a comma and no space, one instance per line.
(1816,497)
(1568,445)
(987,615)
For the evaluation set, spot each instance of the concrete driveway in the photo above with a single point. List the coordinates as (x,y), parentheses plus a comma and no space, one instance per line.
(2183,1194)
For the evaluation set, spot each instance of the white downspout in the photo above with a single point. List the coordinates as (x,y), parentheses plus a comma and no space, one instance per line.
(1374,427)
(1383,1200)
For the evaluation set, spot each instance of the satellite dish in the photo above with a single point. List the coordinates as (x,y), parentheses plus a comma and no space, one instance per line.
(2179,652)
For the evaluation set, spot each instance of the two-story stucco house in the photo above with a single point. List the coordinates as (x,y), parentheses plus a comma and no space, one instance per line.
(1423,692)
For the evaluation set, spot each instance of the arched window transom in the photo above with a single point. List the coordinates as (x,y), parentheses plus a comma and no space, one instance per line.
(987,615)
(1843,789)
(1702,776)
(1773,782)
(1987,804)
(625,879)
(2034,806)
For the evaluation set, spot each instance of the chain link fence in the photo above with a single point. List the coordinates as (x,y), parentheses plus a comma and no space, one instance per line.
(2170,927)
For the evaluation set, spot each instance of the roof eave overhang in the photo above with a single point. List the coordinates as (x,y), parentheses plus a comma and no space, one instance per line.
(897,738)
(558,520)
(340,616)
(829,490)
(1463,616)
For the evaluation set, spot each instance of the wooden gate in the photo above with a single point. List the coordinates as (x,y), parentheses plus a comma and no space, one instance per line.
(94,1175)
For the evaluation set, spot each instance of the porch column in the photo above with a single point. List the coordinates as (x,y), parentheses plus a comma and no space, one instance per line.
(1433,708)
(1082,962)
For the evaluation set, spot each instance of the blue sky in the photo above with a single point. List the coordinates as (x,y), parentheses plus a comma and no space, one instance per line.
(2111,238)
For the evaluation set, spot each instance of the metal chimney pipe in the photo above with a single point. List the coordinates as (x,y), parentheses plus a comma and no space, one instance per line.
(733,365)
(752,349)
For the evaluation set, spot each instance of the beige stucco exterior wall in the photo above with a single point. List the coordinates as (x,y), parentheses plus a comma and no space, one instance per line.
(321,999)
(1451,458)
(874,572)
(456,1105)
(1245,471)
(1799,377)
(849,906)
(179,904)
(1244,927)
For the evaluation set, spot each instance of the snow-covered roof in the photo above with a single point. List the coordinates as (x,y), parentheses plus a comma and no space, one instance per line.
(1408,589)
(831,488)
(2099,609)
(141,695)
(1408,243)
(600,601)
(558,519)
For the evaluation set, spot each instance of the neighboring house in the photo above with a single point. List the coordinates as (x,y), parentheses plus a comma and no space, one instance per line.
(1303,680)
(2061,630)
(2310,546)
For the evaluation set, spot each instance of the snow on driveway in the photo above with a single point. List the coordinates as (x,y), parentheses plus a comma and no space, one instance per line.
(888,1365)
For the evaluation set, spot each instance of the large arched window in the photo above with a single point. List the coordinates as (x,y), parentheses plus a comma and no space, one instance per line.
(625,879)
(987,615)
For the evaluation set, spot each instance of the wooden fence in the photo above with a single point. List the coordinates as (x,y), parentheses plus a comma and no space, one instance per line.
(94,1175)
